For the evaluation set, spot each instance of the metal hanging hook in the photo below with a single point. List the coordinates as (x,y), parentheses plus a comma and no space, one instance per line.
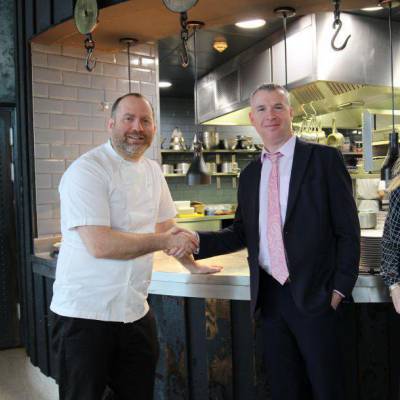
(89,46)
(337,24)
(184,38)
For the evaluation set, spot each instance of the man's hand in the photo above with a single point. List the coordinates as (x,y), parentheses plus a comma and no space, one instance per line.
(181,242)
(190,264)
(395,293)
(336,299)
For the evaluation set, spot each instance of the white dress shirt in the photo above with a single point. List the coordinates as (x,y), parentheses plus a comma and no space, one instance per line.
(101,188)
(285,170)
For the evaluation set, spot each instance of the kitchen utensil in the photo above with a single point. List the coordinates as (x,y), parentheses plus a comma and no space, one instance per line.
(235,167)
(211,167)
(335,139)
(177,140)
(182,168)
(210,139)
(232,143)
(367,219)
(244,142)
(167,169)
(226,167)
(223,144)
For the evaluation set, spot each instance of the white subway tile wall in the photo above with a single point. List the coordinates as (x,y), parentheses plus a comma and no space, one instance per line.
(69,118)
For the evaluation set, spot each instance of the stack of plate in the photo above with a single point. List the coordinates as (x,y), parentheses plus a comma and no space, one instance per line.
(370,249)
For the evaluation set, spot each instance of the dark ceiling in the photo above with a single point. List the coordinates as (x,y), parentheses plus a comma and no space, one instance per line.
(208,59)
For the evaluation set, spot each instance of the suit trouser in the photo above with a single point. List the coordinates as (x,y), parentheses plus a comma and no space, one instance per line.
(301,352)
(92,354)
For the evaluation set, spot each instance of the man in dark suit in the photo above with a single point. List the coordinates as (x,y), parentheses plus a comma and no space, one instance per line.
(297,217)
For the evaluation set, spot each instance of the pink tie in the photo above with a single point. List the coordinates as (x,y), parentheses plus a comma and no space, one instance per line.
(276,248)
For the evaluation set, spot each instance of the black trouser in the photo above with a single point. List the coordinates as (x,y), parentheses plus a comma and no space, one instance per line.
(302,353)
(93,354)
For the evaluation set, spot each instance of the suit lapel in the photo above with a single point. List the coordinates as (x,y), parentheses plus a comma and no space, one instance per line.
(253,196)
(302,152)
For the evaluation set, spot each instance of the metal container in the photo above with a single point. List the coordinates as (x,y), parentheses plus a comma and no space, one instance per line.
(211,167)
(210,139)
(182,168)
(367,219)
(167,169)
(226,167)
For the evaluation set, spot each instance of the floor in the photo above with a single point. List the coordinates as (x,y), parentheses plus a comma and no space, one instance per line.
(20,380)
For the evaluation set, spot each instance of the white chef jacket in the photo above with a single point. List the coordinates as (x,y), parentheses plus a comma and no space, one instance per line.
(101,188)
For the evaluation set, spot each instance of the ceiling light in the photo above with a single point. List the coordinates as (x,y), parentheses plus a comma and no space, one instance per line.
(147,61)
(251,23)
(164,84)
(135,61)
(370,9)
(220,44)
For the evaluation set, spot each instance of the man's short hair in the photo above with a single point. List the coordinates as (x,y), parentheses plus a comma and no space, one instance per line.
(115,105)
(270,87)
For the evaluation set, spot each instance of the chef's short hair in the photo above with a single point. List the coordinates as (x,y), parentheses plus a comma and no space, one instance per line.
(115,105)
(270,87)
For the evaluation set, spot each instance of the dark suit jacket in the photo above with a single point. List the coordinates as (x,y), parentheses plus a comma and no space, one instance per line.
(321,232)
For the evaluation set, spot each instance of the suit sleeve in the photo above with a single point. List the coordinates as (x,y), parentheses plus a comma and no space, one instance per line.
(226,240)
(346,227)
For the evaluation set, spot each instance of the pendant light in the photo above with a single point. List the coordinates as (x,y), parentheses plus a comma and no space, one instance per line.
(129,42)
(197,173)
(285,13)
(393,149)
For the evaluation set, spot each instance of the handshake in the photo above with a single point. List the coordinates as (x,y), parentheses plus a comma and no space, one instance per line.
(181,242)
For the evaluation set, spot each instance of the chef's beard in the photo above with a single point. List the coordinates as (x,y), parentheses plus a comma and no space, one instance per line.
(128,149)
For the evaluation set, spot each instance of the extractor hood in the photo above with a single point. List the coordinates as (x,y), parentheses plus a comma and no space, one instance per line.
(336,84)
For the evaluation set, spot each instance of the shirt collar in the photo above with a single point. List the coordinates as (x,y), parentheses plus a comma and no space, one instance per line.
(287,149)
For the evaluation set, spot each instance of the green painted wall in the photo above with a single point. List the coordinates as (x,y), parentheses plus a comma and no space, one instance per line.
(7,47)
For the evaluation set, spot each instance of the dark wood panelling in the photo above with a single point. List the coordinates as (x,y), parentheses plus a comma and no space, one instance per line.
(42,342)
(43,12)
(62,10)
(197,349)
(171,375)
(219,349)
(9,333)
